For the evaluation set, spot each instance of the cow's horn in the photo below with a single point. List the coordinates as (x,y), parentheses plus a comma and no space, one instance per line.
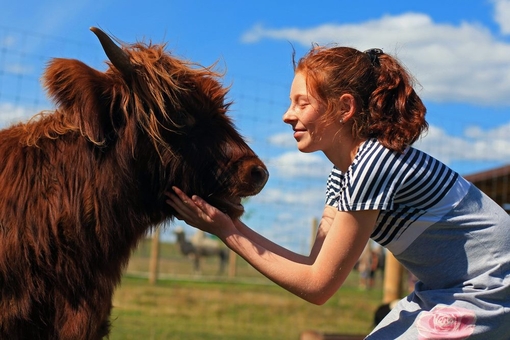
(117,56)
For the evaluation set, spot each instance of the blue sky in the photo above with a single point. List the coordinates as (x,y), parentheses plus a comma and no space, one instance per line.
(458,50)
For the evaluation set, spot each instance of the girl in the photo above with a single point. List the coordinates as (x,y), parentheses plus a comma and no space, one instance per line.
(361,111)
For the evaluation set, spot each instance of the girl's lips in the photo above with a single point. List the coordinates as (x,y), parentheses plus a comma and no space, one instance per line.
(298,133)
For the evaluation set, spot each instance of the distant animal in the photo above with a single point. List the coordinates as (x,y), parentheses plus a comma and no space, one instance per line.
(80,186)
(199,246)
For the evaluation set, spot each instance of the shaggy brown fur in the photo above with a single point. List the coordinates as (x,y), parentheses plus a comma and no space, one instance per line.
(81,185)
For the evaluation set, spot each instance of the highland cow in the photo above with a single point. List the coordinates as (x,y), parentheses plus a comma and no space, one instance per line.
(80,186)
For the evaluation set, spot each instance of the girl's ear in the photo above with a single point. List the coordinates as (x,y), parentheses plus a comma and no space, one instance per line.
(347,107)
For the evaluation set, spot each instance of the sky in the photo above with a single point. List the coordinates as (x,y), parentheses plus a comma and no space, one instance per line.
(458,51)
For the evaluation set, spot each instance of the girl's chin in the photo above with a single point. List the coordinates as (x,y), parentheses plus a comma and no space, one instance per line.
(305,148)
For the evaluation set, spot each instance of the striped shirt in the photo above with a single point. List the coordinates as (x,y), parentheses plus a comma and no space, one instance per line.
(412,190)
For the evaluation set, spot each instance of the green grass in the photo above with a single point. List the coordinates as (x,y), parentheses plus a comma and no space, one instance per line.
(248,306)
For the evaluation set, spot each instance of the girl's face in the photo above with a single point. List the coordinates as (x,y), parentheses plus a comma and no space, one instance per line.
(304,115)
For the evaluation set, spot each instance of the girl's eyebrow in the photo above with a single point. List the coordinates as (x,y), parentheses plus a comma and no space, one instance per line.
(298,96)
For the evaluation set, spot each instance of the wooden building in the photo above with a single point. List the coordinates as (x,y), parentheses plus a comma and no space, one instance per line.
(495,183)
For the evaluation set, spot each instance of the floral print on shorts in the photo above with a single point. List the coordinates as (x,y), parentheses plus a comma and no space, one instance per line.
(446,322)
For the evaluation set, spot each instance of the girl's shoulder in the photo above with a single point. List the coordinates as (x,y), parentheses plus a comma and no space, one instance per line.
(373,157)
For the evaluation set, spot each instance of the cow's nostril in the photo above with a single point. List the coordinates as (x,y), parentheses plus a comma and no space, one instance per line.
(259,175)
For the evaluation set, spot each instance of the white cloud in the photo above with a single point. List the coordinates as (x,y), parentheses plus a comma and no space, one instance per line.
(7,41)
(453,63)
(284,140)
(296,164)
(502,15)
(19,69)
(10,113)
(294,198)
(297,207)
(475,144)
(291,214)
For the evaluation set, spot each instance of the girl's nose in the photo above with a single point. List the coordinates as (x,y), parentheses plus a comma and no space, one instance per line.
(287,116)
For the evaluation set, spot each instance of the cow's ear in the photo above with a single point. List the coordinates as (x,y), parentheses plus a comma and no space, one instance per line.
(78,90)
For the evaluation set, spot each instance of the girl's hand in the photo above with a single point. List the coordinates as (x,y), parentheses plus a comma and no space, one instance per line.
(198,213)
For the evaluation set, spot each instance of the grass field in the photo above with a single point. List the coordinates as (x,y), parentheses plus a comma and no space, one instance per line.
(186,306)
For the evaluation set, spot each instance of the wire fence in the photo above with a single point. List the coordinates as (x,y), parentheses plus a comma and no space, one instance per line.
(294,195)
(25,54)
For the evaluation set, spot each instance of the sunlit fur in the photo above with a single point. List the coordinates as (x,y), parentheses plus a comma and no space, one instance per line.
(81,185)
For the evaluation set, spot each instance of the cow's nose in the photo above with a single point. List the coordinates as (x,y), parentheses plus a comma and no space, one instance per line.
(259,176)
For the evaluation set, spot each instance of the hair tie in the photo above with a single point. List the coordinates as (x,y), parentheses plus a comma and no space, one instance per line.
(373,54)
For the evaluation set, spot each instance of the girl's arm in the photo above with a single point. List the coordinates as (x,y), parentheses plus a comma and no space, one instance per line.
(315,278)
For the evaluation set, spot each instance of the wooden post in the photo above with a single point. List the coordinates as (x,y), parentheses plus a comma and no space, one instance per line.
(232,264)
(315,227)
(154,259)
(393,274)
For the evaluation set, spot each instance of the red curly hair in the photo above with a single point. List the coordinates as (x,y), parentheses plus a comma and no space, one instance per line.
(388,108)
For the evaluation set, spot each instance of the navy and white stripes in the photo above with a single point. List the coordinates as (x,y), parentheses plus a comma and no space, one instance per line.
(408,188)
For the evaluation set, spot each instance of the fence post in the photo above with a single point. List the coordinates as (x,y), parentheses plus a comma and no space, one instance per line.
(393,274)
(315,227)
(232,263)
(154,259)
